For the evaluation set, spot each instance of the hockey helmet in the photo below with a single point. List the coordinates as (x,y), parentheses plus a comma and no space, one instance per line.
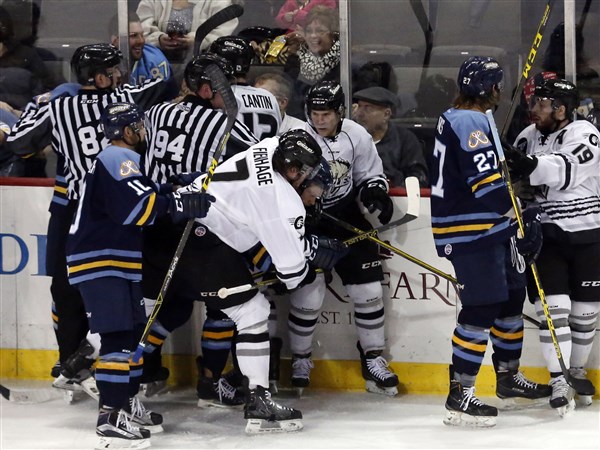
(478,76)
(562,92)
(117,116)
(236,50)
(89,60)
(322,176)
(298,149)
(195,71)
(325,95)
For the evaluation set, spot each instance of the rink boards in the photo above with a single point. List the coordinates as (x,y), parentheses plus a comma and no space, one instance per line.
(420,306)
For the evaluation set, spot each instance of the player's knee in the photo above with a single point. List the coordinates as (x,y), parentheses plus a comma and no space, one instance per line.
(309,297)
(480,316)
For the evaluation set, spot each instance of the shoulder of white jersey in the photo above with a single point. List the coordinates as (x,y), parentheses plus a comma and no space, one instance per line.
(120,162)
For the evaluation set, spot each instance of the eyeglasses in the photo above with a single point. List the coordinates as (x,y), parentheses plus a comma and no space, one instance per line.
(317,31)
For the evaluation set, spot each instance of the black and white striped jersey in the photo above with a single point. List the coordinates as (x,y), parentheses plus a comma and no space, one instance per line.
(568,173)
(72,126)
(183,137)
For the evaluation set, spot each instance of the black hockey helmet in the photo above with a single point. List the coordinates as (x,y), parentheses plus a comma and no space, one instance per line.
(478,75)
(117,116)
(195,71)
(236,50)
(325,95)
(562,92)
(297,149)
(89,60)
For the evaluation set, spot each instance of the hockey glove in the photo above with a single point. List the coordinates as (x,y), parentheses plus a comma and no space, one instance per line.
(374,196)
(280,288)
(520,165)
(188,205)
(313,213)
(325,252)
(530,244)
(185,178)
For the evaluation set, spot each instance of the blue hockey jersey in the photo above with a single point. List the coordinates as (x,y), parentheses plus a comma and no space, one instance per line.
(470,203)
(152,64)
(105,238)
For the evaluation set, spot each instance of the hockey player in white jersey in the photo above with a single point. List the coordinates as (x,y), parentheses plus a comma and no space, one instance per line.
(357,174)
(561,159)
(258,202)
(257,108)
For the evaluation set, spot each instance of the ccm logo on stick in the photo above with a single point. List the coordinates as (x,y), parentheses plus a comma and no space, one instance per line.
(590,283)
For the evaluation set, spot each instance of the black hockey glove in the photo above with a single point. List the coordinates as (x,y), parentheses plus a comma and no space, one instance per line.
(280,288)
(185,178)
(325,252)
(313,213)
(374,196)
(530,244)
(189,205)
(520,165)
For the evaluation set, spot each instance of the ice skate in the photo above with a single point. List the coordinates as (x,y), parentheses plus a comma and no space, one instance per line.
(154,383)
(56,368)
(274,363)
(142,417)
(379,378)
(117,432)
(464,409)
(562,396)
(266,416)
(218,393)
(301,367)
(512,386)
(71,386)
(584,388)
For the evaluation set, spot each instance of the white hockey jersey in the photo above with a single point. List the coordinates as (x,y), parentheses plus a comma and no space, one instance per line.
(258,110)
(254,203)
(568,171)
(353,159)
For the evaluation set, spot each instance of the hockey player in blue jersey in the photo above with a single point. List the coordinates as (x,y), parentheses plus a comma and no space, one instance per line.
(472,227)
(104,257)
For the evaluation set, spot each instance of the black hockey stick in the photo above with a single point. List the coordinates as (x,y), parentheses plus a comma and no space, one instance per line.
(419,10)
(221,85)
(534,271)
(219,18)
(29,396)
(584,14)
(537,41)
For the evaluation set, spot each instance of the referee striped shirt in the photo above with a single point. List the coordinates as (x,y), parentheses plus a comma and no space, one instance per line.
(72,126)
(183,137)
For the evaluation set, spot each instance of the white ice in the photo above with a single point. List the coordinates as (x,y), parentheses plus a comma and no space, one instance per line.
(332,420)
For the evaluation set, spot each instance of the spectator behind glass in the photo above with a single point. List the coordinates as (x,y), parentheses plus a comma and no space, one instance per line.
(171,24)
(281,88)
(399,149)
(24,74)
(147,61)
(293,12)
(314,54)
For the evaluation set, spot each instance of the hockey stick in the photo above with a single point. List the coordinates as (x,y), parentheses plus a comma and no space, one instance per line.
(219,18)
(391,248)
(584,14)
(534,271)
(221,85)
(419,10)
(413,195)
(537,41)
(29,396)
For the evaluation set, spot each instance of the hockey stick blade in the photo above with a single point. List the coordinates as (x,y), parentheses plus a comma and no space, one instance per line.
(29,396)
(219,18)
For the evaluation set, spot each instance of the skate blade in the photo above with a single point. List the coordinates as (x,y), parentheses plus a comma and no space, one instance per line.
(458,419)
(66,384)
(583,400)
(116,443)
(153,429)
(89,387)
(153,388)
(213,403)
(566,410)
(372,387)
(261,426)
(273,388)
(509,404)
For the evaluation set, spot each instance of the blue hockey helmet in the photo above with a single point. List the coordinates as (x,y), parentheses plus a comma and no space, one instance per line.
(478,76)
(321,176)
(117,116)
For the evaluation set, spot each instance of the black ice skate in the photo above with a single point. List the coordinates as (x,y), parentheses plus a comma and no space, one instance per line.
(511,384)
(562,396)
(274,363)
(142,417)
(301,367)
(117,432)
(218,393)
(584,388)
(76,375)
(464,409)
(154,376)
(379,378)
(266,416)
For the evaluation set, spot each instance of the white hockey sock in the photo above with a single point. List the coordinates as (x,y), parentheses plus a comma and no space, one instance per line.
(559,307)
(305,304)
(369,316)
(583,318)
